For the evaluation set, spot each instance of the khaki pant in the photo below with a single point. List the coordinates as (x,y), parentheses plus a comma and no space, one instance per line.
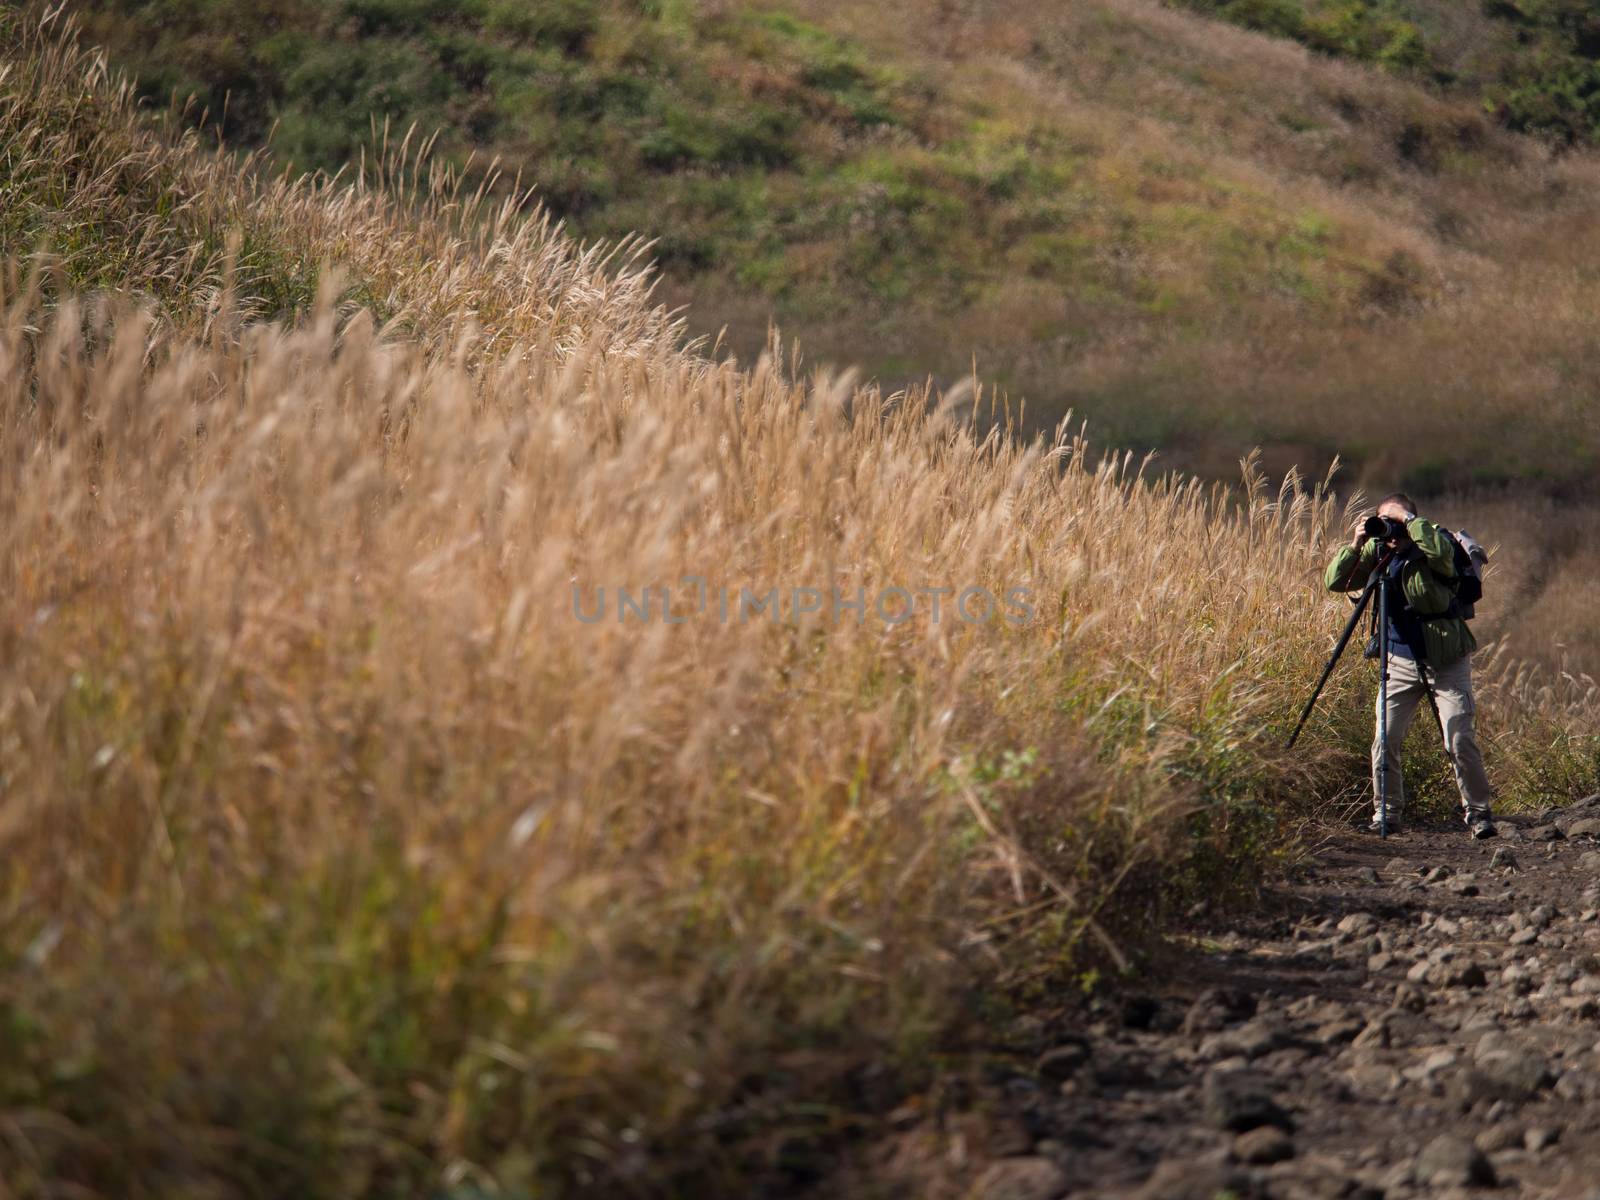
(1453,688)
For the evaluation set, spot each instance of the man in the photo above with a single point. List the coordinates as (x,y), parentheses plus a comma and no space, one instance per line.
(1429,643)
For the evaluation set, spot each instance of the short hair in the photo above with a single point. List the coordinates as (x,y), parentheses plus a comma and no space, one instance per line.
(1400,498)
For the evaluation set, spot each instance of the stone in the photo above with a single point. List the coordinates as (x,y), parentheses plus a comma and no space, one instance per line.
(1025,1177)
(1198,1179)
(1375,1033)
(1439,1060)
(1464,885)
(1336,1033)
(1217,1008)
(1450,1161)
(1438,875)
(1237,1101)
(1410,997)
(1590,860)
(1502,1135)
(1525,936)
(1537,1138)
(1546,833)
(1512,1074)
(1359,924)
(1063,1061)
(1458,975)
(1518,979)
(1503,859)
(1365,875)
(1589,827)
(1541,917)
(1262,1145)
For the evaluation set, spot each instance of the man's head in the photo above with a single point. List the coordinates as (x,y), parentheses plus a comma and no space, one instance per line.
(1398,507)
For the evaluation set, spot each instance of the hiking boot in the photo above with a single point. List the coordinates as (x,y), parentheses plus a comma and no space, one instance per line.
(1482,827)
(1392,826)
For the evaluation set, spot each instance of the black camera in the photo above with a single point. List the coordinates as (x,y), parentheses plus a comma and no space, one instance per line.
(1384,528)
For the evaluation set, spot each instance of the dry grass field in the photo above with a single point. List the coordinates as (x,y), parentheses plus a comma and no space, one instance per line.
(346,854)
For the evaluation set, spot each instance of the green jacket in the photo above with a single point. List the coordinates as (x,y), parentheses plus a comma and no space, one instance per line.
(1424,580)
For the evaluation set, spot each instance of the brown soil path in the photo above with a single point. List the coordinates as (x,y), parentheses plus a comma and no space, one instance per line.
(1417,1017)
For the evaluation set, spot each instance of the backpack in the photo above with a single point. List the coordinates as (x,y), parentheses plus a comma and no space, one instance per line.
(1471,558)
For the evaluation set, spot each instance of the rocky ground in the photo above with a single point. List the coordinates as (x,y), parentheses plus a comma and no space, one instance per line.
(1413,1017)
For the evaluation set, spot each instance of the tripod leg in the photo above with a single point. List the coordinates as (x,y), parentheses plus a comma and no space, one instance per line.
(1383,706)
(1333,659)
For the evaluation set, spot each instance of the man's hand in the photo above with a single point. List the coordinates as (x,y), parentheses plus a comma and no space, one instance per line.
(1360,539)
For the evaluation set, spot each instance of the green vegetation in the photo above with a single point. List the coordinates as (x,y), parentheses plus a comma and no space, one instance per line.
(1369,30)
(1534,64)
(1177,237)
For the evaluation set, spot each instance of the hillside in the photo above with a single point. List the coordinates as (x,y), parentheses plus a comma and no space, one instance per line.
(1200,239)
(387,810)
(1534,65)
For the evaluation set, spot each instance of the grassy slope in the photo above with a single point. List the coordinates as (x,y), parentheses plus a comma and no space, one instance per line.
(1533,64)
(1201,239)
(342,861)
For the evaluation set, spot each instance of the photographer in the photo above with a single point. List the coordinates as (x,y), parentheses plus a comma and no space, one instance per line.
(1429,643)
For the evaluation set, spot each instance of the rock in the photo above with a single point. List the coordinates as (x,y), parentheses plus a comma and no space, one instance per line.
(1537,1138)
(1525,936)
(1546,833)
(1503,858)
(1508,1073)
(1463,885)
(1374,1078)
(1336,1033)
(1590,860)
(1262,1145)
(1502,1135)
(1410,997)
(1517,979)
(1262,1036)
(1375,1033)
(1365,875)
(1197,1179)
(1217,1008)
(1008,1137)
(1026,1177)
(1439,1060)
(1589,827)
(1237,1101)
(1438,875)
(1359,924)
(1541,917)
(1461,975)
(1063,1061)
(1450,1161)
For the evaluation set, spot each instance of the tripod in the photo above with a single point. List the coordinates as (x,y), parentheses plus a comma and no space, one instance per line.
(1378,584)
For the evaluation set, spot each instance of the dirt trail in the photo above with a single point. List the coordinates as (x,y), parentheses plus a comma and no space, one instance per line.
(1416,1017)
